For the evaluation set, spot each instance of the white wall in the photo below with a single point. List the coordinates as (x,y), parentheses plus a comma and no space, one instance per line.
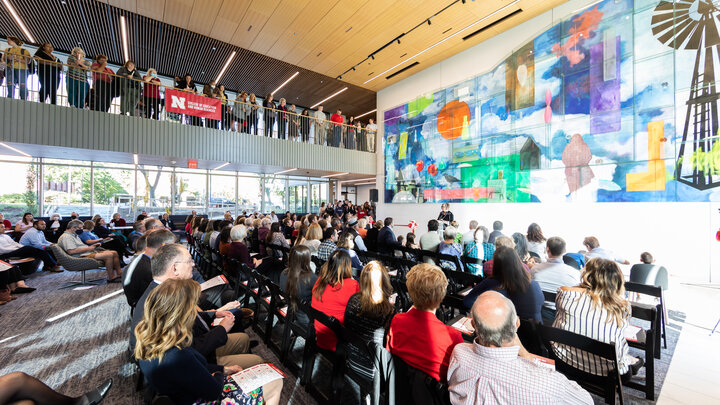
(680,235)
(363,193)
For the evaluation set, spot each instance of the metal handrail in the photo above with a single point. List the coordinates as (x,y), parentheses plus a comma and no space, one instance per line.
(229,112)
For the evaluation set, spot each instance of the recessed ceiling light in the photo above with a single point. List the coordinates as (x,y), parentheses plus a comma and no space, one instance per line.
(18,20)
(14,149)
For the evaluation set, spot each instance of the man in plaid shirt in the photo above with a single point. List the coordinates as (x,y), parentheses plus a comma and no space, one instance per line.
(328,246)
(496,368)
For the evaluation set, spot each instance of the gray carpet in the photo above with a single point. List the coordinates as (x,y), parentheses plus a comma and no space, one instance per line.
(79,351)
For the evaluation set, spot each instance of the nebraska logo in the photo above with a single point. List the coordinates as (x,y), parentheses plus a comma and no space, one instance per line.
(177,102)
(182,102)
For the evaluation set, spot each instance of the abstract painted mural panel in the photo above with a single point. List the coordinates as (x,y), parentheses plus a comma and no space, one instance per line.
(617,102)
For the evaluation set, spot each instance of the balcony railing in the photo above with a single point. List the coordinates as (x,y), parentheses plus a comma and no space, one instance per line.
(79,86)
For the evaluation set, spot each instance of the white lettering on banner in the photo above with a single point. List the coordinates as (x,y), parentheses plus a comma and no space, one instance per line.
(201,106)
(178,102)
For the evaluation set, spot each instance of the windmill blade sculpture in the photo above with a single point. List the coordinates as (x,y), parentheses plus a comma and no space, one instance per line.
(693,25)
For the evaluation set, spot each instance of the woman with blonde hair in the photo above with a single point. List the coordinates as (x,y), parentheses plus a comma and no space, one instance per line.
(597,308)
(313,237)
(169,362)
(367,313)
(76,82)
(151,94)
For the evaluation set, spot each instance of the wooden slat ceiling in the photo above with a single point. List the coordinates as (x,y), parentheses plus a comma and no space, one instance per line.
(174,51)
(331,36)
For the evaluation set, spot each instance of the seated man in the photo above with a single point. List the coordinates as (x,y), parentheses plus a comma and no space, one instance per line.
(138,231)
(35,236)
(553,274)
(496,368)
(139,277)
(70,242)
(386,238)
(594,250)
(418,337)
(213,342)
(9,248)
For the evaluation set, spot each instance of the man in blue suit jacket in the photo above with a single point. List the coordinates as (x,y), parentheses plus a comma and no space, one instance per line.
(386,237)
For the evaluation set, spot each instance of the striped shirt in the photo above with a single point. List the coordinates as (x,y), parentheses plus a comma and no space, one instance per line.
(577,313)
(497,375)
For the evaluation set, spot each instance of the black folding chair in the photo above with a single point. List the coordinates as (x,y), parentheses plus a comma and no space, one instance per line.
(609,386)
(379,387)
(647,344)
(413,386)
(656,292)
(336,358)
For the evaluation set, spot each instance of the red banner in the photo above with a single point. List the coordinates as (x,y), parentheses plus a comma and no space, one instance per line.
(182,102)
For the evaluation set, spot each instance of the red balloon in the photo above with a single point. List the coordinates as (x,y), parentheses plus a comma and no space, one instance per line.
(419,165)
(432,170)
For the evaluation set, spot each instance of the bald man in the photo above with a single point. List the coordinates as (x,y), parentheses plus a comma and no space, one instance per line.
(496,367)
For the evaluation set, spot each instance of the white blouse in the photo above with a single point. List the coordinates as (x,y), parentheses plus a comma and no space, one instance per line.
(539,248)
(577,313)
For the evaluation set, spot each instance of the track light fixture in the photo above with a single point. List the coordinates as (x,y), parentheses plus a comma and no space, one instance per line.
(428,21)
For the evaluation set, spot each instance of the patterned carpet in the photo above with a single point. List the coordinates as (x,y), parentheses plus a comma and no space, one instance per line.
(79,351)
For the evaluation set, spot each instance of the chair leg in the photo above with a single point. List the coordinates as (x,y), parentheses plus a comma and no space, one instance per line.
(83,282)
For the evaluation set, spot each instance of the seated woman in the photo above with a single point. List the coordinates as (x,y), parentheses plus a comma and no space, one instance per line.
(100,229)
(475,249)
(298,279)
(346,243)
(511,280)
(537,242)
(108,243)
(597,308)
(418,337)
(238,249)
(117,220)
(11,281)
(25,223)
(331,293)
(275,237)
(367,313)
(312,238)
(172,366)
(20,388)
(449,247)
(263,233)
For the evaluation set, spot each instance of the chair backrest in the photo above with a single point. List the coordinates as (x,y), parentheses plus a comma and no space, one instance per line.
(549,296)
(403,301)
(413,386)
(571,262)
(450,258)
(529,336)
(384,376)
(640,288)
(608,385)
(533,254)
(649,274)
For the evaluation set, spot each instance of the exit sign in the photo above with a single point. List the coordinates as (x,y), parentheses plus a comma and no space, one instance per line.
(192,164)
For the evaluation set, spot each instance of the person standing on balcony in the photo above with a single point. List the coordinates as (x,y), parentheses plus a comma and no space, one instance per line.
(350,135)
(337,121)
(305,125)
(219,93)
(49,68)
(253,110)
(209,91)
(77,86)
(129,88)
(102,83)
(17,59)
(320,123)
(361,137)
(268,115)
(151,94)
(188,85)
(371,129)
(240,112)
(282,118)
(293,123)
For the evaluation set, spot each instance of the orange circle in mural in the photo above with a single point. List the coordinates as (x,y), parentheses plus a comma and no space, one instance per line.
(452,119)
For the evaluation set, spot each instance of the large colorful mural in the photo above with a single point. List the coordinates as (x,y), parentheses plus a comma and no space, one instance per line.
(618,102)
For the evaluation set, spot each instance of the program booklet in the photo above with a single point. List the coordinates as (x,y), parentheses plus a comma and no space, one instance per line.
(213,282)
(254,377)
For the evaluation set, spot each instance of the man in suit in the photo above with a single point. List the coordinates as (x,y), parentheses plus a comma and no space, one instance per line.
(386,237)
(213,342)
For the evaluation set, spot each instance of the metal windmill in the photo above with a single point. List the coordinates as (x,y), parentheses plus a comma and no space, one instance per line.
(693,25)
